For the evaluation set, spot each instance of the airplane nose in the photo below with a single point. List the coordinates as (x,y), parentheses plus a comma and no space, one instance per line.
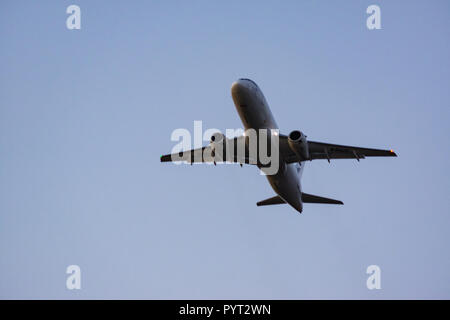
(241,91)
(238,88)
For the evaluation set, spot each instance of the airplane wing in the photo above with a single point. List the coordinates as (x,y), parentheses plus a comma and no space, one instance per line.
(206,154)
(317,150)
(321,150)
(191,156)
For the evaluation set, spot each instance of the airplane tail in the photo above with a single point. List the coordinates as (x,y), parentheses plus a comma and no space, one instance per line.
(306,198)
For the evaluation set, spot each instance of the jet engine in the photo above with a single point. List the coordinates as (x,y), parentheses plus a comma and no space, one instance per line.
(217,138)
(218,145)
(297,142)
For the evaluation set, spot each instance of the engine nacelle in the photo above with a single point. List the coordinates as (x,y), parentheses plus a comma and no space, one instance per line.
(217,138)
(218,146)
(297,142)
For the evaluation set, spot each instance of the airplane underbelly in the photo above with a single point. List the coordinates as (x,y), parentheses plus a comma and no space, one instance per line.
(252,116)
(253,109)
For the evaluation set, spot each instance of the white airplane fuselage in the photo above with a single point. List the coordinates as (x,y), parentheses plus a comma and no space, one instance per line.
(255,114)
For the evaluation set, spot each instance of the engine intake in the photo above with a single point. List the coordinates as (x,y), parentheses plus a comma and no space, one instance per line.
(298,144)
(217,137)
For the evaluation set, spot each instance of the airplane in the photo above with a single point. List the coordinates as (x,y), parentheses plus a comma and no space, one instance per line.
(294,149)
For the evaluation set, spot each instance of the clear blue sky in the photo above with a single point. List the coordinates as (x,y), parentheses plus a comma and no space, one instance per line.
(85,115)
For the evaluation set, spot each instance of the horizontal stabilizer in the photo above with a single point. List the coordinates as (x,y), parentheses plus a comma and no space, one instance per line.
(310,198)
(270,201)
